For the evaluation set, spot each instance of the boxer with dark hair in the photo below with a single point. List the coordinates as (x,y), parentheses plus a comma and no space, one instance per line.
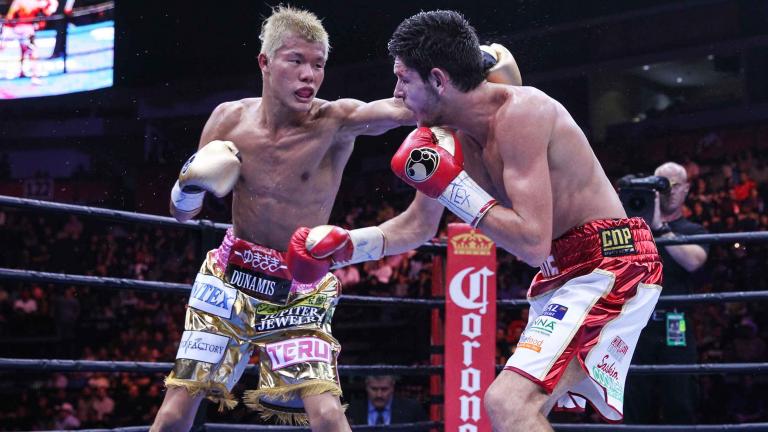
(512,161)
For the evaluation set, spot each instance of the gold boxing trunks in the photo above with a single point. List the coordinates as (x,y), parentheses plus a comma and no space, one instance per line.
(244,299)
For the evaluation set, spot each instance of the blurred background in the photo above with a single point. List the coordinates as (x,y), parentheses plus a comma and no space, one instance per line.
(648,81)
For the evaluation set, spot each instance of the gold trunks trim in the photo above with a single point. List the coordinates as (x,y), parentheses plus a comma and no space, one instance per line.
(252,399)
(215,392)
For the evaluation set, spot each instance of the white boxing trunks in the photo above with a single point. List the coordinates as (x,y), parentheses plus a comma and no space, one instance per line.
(590,301)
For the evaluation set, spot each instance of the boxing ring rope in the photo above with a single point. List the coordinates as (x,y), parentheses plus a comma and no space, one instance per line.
(224,427)
(221,427)
(153,286)
(126,216)
(56,365)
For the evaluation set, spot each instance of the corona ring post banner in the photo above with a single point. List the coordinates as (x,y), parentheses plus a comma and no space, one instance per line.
(470,327)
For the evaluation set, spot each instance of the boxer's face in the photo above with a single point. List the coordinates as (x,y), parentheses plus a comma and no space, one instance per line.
(418,95)
(380,391)
(295,72)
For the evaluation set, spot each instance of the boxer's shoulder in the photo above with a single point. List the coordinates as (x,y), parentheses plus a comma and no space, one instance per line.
(342,108)
(334,115)
(525,105)
(524,98)
(233,111)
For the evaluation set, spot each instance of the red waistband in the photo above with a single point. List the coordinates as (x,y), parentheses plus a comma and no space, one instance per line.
(630,239)
(251,255)
(257,270)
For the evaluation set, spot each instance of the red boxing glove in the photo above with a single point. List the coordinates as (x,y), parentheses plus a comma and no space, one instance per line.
(311,253)
(329,242)
(302,265)
(427,163)
(431,161)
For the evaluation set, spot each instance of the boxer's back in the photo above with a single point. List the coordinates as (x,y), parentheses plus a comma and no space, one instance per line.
(289,178)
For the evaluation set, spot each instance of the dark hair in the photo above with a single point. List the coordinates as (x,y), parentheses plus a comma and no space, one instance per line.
(442,39)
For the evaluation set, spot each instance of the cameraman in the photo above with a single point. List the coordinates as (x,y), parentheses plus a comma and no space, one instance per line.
(668,337)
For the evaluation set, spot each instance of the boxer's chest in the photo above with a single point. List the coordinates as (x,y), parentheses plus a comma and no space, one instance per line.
(484,165)
(291,157)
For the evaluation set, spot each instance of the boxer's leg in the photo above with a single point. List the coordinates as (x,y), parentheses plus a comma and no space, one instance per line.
(325,413)
(573,374)
(514,403)
(298,360)
(177,411)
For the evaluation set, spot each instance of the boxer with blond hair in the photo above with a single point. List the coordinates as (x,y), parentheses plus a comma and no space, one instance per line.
(282,156)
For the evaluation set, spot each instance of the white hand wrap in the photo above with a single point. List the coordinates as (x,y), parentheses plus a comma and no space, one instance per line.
(466,199)
(186,202)
(368,245)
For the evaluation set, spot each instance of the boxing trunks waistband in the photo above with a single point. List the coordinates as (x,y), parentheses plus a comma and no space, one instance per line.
(583,248)
(258,271)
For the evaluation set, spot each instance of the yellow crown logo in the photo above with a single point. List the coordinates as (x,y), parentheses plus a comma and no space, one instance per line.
(471,243)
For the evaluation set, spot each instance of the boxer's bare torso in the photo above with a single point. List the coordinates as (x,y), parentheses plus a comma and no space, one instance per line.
(580,190)
(290,175)
(21,9)
(524,149)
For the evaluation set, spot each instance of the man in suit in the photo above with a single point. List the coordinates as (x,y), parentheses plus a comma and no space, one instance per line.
(382,407)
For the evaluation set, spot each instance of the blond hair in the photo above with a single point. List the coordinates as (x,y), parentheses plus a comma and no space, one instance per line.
(285,20)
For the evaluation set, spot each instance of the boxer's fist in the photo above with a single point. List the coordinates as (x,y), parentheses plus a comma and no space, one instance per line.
(329,241)
(312,252)
(429,159)
(214,168)
(501,65)
(303,266)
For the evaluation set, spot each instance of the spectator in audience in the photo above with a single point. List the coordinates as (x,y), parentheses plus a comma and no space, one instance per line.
(65,418)
(382,407)
(102,405)
(348,275)
(25,304)
(666,339)
(746,346)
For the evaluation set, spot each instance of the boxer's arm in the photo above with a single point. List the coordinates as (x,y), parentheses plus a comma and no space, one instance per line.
(691,257)
(413,227)
(374,118)
(500,65)
(12,11)
(525,229)
(313,252)
(51,7)
(218,124)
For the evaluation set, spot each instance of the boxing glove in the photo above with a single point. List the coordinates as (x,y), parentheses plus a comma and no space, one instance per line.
(312,252)
(501,65)
(214,168)
(431,161)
